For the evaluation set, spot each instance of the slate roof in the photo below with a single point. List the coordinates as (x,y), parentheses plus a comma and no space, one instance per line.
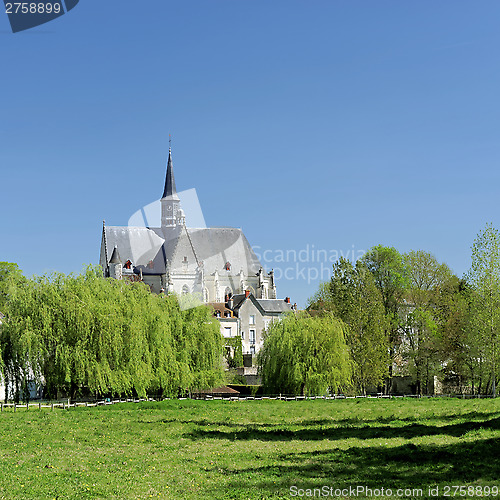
(151,248)
(268,305)
(274,305)
(170,191)
(115,257)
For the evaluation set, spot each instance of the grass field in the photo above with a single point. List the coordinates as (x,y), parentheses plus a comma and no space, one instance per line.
(248,449)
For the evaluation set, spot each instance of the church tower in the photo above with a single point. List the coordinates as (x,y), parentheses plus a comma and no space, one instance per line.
(170,203)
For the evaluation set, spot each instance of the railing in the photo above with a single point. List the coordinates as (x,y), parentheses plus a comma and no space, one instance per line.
(67,404)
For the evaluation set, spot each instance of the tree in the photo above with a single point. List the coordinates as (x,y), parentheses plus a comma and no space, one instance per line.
(391,278)
(426,279)
(9,273)
(87,333)
(352,296)
(484,279)
(305,355)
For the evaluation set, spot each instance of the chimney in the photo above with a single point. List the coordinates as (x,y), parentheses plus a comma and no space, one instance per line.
(287,300)
(247,293)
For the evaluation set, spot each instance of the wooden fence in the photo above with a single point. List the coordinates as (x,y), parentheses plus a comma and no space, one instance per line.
(67,404)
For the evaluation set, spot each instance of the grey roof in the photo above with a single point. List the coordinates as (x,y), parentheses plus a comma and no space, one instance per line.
(239,300)
(274,305)
(115,257)
(170,190)
(152,248)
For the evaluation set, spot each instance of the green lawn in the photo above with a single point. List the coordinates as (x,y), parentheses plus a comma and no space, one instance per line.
(247,449)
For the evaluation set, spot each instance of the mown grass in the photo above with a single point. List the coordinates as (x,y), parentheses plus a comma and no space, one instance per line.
(247,450)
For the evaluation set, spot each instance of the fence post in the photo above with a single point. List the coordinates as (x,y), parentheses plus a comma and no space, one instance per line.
(14,406)
(27,406)
(52,406)
(39,406)
(1,406)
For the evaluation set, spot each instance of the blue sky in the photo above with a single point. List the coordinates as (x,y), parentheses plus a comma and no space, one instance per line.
(333,124)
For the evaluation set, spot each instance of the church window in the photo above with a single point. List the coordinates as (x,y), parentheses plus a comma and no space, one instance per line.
(228,266)
(185,290)
(228,293)
(128,264)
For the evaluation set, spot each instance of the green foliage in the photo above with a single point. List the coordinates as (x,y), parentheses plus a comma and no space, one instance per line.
(390,273)
(356,300)
(427,279)
(236,344)
(484,280)
(232,377)
(352,296)
(305,355)
(87,333)
(10,274)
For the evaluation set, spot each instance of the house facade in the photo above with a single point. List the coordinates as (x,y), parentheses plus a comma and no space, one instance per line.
(246,317)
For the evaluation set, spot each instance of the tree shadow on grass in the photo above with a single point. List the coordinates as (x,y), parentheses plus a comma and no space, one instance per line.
(334,432)
(407,466)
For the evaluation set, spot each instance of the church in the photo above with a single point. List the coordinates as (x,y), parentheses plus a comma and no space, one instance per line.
(213,264)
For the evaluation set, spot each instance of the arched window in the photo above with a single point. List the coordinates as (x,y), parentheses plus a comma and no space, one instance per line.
(228,293)
(205,295)
(185,290)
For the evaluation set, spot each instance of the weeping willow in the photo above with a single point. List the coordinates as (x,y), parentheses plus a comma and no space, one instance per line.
(84,333)
(305,355)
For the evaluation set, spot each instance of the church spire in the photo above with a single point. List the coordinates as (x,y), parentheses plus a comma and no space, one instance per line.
(170,191)
(170,202)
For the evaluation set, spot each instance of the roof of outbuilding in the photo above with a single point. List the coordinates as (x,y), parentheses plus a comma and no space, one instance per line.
(275,305)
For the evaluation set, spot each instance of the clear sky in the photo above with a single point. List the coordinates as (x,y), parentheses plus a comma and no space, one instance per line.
(330,124)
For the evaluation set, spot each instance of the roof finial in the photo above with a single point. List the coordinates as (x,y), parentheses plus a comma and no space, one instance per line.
(169,142)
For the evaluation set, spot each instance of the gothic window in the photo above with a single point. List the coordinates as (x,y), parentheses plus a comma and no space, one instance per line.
(227,267)
(228,293)
(185,290)
(205,295)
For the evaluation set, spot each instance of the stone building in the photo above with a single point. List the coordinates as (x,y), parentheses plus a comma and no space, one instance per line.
(209,262)
(216,264)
